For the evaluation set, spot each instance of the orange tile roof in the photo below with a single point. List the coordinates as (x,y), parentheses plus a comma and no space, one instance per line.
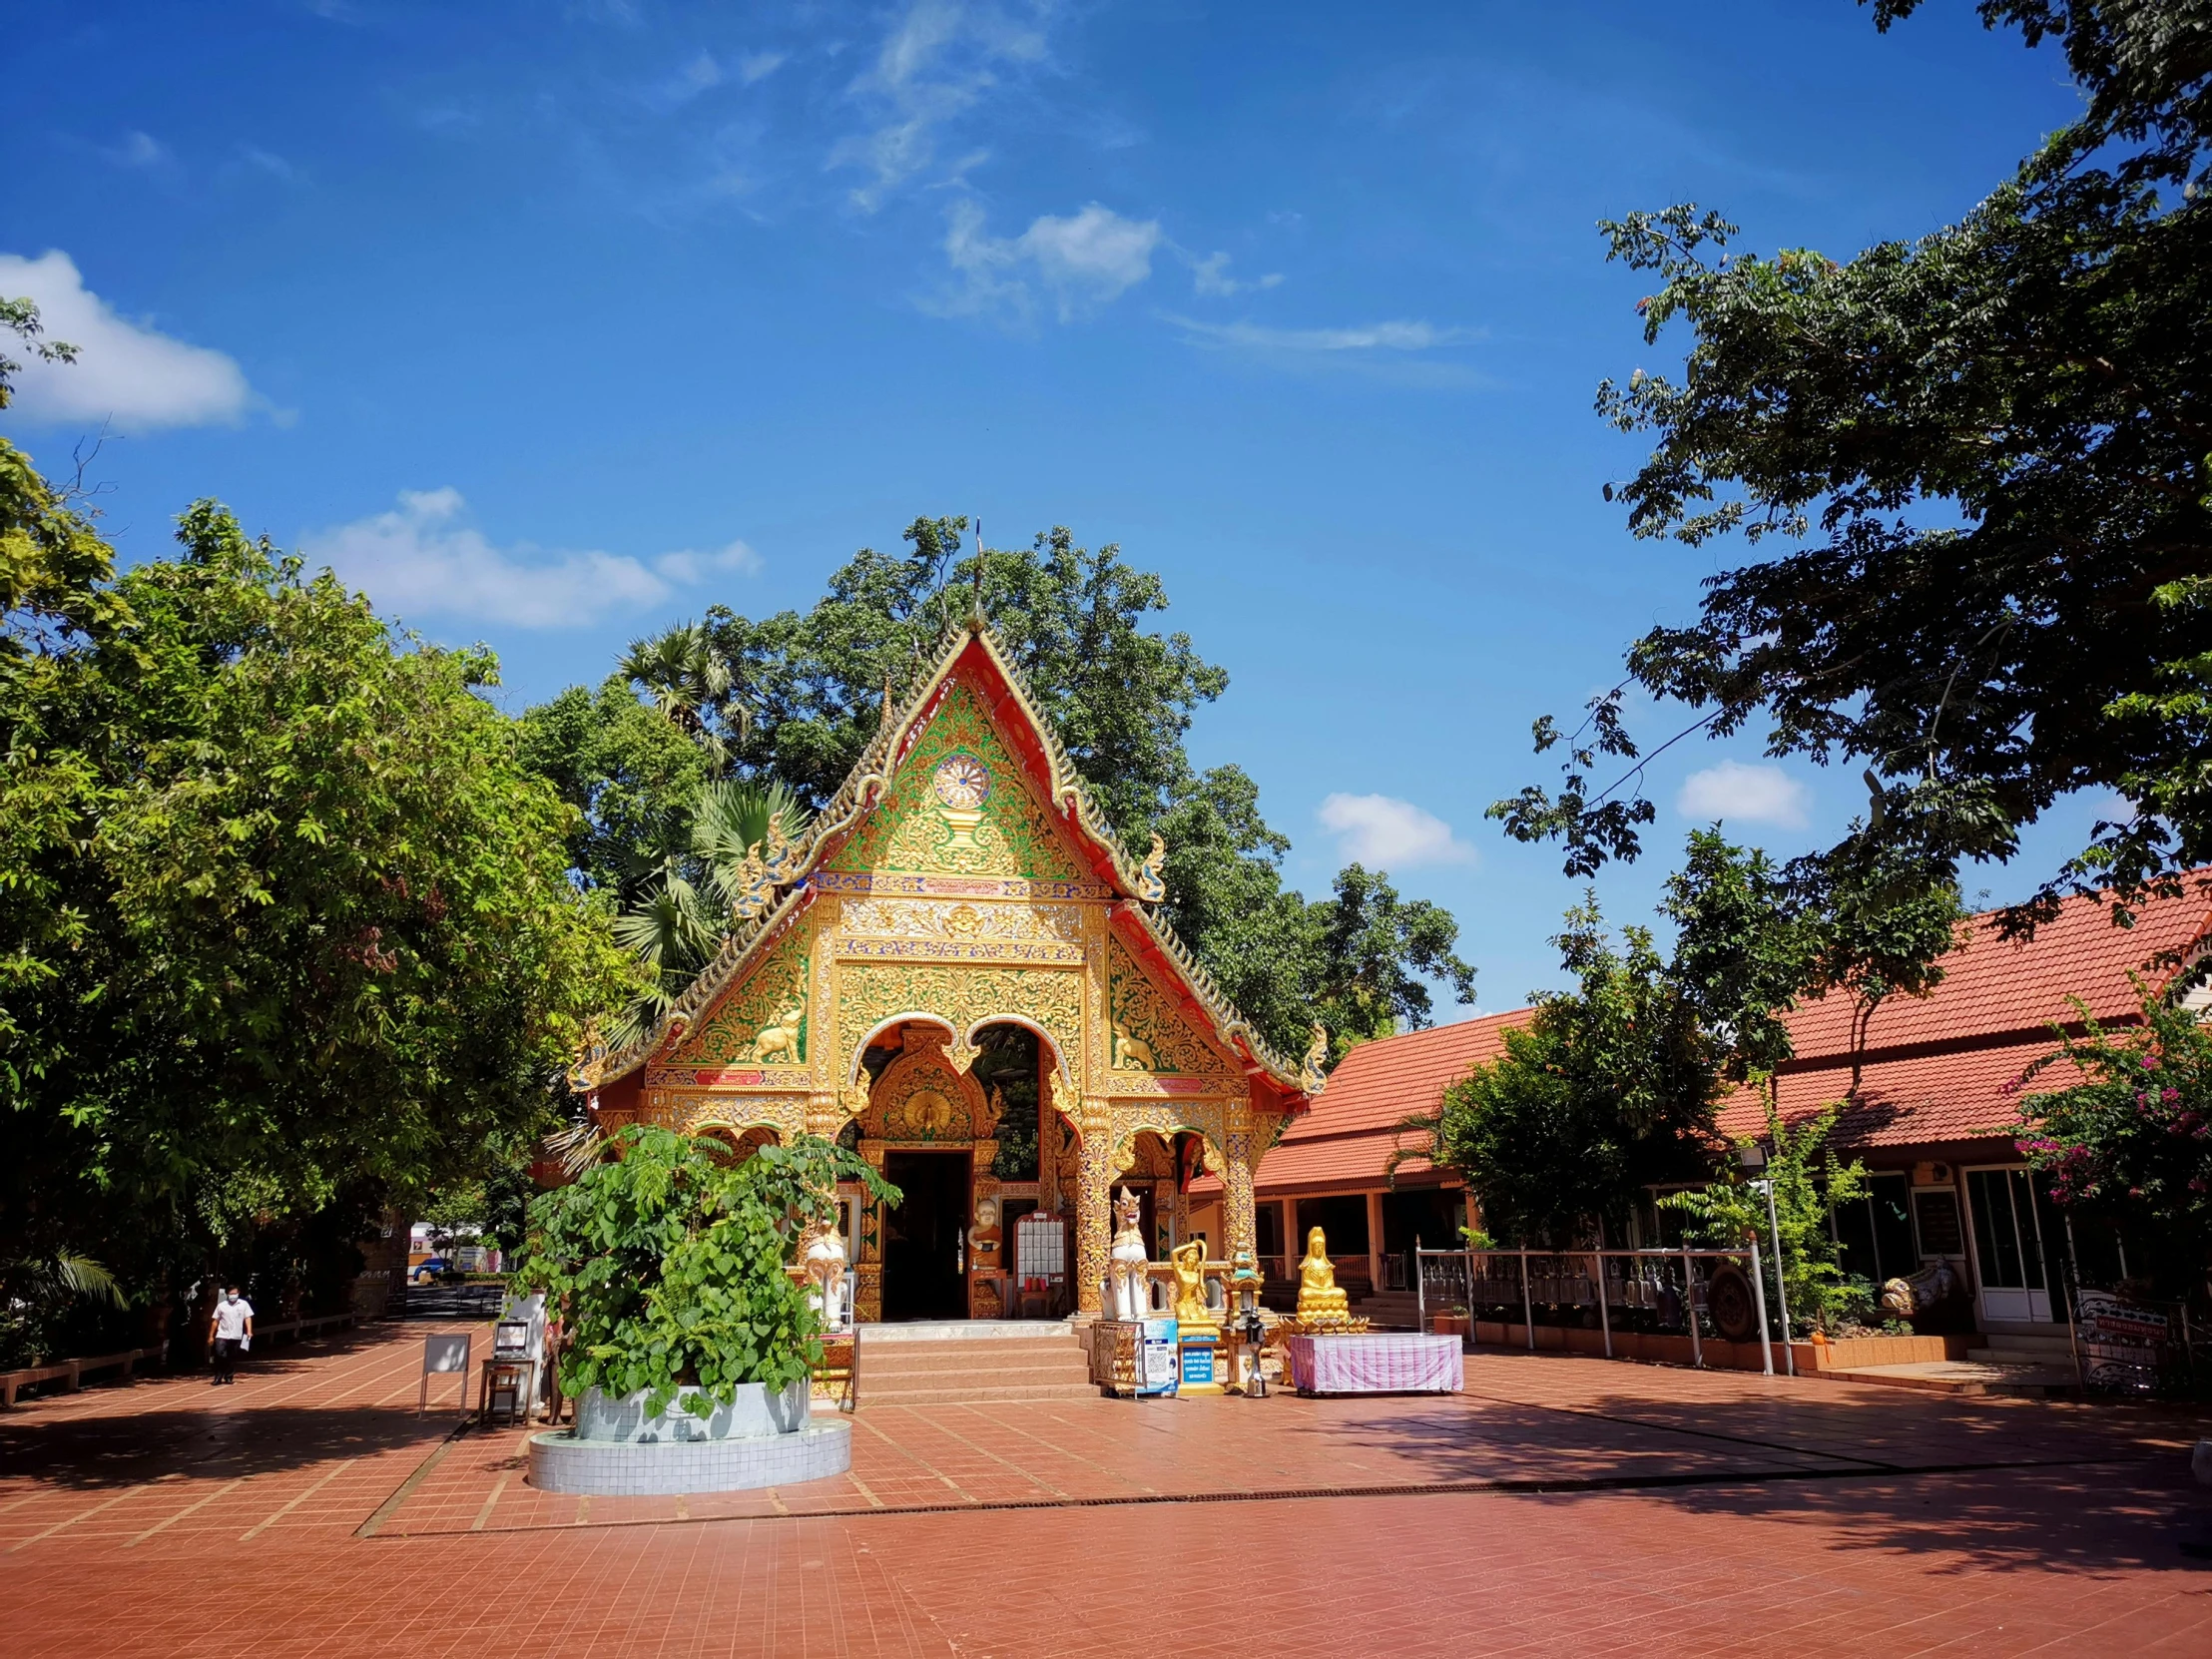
(1939,1069)
(1991,985)
(1946,1067)
(1963,1095)
(1349,1135)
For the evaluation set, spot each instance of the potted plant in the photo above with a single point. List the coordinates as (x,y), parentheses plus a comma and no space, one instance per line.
(1449,1323)
(666,1264)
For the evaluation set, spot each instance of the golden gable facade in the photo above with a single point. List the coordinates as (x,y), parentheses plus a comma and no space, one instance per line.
(962,879)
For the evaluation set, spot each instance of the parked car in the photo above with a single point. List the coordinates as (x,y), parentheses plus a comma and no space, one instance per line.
(431,1270)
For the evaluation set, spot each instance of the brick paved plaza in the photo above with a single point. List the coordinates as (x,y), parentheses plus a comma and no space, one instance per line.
(1560,1504)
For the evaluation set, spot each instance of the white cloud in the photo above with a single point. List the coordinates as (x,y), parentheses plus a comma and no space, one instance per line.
(127,372)
(1086,260)
(1365,336)
(269,163)
(936,63)
(139,150)
(699,74)
(1385,833)
(422,560)
(1210,275)
(1748,793)
(759,65)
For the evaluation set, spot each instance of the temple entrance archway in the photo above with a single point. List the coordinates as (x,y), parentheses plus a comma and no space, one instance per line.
(925,1236)
(984,1101)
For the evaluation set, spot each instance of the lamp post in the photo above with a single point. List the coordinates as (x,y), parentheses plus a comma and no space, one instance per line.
(1245,1282)
(1754,1156)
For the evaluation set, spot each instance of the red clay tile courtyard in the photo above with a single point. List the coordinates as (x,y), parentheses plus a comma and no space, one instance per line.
(1560,1504)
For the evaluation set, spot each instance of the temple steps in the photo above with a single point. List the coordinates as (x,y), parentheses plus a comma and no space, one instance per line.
(909,1366)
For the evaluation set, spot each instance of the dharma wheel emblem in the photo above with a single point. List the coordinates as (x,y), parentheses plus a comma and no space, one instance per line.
(962,782)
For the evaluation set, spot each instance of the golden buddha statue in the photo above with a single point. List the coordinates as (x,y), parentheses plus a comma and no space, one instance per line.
(1319,1300)
(1189,1261)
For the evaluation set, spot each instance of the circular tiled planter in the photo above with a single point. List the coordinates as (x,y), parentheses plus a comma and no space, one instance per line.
(758,1439)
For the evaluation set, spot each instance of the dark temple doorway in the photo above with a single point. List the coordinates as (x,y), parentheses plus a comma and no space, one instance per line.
(924,1275)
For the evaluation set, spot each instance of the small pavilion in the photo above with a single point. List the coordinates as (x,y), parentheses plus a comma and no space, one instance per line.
(958,908)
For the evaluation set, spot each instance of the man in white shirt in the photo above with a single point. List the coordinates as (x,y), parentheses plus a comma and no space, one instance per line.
(233,1330)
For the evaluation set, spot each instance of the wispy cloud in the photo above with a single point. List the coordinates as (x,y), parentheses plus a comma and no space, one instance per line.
(1210,276)
(1364,336)
(697,74)
(936,63)
(1083,261)
(127,372)
(141,152)
(268,161)
(1385,833)
(422,559)
(1748,793)
(756,67)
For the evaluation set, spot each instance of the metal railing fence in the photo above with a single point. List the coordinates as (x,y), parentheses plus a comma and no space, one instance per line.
(1669,1286)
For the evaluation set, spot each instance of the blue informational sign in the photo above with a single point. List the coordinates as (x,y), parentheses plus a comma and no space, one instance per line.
(1156,1357)
(1197,1363)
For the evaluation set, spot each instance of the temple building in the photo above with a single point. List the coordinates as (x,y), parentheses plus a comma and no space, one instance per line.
(959,971)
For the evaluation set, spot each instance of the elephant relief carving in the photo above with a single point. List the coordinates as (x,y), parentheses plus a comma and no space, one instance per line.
(780,1041)
(1131,1053)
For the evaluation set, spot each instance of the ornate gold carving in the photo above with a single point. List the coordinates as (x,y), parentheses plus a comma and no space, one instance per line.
(926,1114)
(920,1098)
(959,804)
(762,1019)
(692,1113)
(1167,1119)
(963,997)
(962,921)
(1131,1053)
(1148,1034)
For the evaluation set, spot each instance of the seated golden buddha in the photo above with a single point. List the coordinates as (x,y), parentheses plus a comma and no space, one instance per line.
(1319,1300)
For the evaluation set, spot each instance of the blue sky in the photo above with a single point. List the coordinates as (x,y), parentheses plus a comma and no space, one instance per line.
(549,324)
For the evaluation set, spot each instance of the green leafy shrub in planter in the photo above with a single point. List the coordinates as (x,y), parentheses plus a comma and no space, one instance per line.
(667,1264)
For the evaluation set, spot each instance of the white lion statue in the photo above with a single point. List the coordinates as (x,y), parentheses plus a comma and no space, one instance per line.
(822,1254)
(1127,1295)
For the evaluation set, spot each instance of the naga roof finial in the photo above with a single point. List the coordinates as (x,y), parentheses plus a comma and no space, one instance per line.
(1150,887)
(1310,1075)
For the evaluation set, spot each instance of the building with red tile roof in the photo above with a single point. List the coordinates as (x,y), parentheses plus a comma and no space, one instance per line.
(1332,1168)
(1932,1115)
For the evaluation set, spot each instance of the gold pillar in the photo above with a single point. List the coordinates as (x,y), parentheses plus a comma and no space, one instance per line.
(868,1272)
(1048,1135)
(1237,1212)
(1094,1212)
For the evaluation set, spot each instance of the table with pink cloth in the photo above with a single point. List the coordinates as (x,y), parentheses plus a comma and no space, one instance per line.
(1376,1363)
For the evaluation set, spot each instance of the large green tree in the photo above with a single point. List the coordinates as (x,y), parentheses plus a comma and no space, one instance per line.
(1608,1089)
(285,924)
(1975,471)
